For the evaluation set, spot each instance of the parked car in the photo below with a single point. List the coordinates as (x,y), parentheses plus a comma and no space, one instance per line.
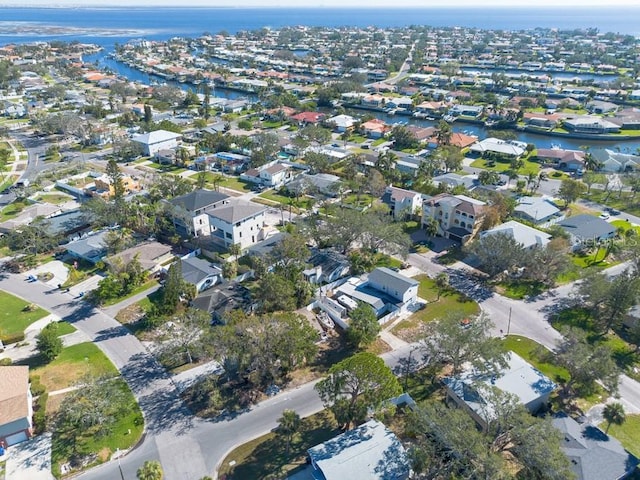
(605,216)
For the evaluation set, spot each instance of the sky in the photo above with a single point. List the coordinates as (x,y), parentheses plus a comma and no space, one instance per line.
(327,3)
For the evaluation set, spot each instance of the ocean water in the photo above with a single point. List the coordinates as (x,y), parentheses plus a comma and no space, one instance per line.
(106,26)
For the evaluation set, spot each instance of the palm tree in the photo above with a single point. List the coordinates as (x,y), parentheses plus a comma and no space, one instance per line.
(542,177)
(151,470)
(288,425)
(431,227)
(614,413)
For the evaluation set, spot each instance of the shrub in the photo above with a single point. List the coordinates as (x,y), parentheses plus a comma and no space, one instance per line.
(13,338)
(40,414)
(5,362)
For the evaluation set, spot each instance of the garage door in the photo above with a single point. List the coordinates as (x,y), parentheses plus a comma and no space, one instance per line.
(16,438)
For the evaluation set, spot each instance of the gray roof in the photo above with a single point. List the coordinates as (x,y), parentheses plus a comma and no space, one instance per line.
(455,180)
(593,454)
(537,208)
(147,253)
(386,276)
(156,136)
(92,246)
(368,452)
(198,199)
(70,221)
(195,269)
(519,378)
(236,211)
(587,227)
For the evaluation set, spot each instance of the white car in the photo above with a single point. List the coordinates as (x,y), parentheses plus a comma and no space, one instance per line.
(605,216)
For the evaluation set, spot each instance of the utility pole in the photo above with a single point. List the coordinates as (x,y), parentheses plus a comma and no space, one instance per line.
(509,324)
(119,466)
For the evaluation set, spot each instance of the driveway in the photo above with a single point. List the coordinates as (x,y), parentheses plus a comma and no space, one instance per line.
(30,460)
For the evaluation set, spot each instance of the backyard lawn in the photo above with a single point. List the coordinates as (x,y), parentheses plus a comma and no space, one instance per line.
(450,302)
(502,166)
(236,184)
(55,198)
(16,315)
(265,455)
(303,202)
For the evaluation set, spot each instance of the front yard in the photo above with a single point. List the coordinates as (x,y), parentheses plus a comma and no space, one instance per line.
(16,316)
(266,455)
(450,302)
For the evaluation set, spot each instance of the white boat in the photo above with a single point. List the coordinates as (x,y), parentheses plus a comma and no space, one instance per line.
(325,321)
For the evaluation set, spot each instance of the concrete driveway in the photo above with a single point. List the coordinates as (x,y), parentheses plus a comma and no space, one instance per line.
(30,460)
(58,269)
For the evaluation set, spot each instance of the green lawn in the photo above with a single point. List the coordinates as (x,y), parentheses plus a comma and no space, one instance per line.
(71,365)
(135,291)
(65,328)
(55,198)
(626,202)
(626,227)
(535,354)
(16,316)
(450,301)
(267,455)
(235,183)
(628,433)
(77,275)
(303,202)
(13,210)
(499,166)
(124,434)
(358,201)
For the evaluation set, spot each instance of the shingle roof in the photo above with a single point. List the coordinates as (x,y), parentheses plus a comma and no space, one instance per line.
(236,211)
(198,199)
(587,227)
(536,208)
(393,280)
(593,454)
(523,234)
(89,247)
(195,269)
(147,254)
(14,385)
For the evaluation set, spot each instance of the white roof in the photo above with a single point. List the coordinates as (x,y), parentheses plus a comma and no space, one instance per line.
(498,146)
(523,234)
(342,120)
(157,136)
(368,452)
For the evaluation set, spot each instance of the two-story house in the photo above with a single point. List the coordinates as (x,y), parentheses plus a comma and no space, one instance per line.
(459,217)
(401,202)
(189,212)
(237,222)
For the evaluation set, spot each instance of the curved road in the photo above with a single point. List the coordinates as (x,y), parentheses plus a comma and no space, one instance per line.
(189,447)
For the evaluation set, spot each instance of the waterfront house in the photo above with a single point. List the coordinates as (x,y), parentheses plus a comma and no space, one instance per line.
(570,160)
(16,408)
(375,128)
(469,111)
(308,118)
(519,378)
(505,148)
(612,161)
(342,123)
(590,125)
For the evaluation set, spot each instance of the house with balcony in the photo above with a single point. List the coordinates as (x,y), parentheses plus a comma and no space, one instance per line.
(590,125)
(189,212)
(237,222)
(402,203)
(458,217)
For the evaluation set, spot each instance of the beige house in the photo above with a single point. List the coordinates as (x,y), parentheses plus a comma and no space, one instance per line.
(15,405)
(459,217)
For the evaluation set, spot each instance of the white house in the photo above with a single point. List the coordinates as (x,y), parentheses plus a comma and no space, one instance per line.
(157,140)
(525,235)
(275,175)
(468,390)
(612,161)
(538,210)
(237,222)
(368,452)
(201,273)
(508,148)
(401,202)
(394,284)
(342,123)
(189,212)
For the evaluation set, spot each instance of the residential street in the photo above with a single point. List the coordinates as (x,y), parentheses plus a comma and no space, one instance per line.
(190,448)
